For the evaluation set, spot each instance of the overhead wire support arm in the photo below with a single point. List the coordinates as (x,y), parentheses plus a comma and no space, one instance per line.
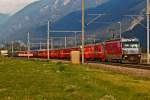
(94,19)
(134,15)
(131,16)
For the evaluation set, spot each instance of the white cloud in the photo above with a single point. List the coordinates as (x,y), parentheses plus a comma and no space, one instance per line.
(12,6)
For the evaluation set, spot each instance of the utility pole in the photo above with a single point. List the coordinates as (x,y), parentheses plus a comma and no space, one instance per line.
(28,45)
(120,28)
(65,42)
(12,48)
(75,39)
(52,43)
(148,16)
(40,45)
(83,30)
(94,39)
(48,30)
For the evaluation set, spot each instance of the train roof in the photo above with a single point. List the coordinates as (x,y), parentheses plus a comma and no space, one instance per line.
(124,40)
(117,39)
(130,40)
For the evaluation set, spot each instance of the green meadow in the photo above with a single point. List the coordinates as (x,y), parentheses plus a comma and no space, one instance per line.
(21,79)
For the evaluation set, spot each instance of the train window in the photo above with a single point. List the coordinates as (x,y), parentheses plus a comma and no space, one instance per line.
(130,45)
(134,45)
(126,45)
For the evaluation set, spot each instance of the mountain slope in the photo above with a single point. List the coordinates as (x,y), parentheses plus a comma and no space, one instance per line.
(3,18)
(114,12)
(38,13)
(66,15)
(138,31)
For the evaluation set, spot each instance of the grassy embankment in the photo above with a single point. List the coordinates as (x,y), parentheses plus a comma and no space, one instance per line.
(35,80)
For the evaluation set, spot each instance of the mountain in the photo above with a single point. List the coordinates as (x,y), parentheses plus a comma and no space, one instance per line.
(66,15)
(114,11)
(38,13)
(140,32)
(3,18)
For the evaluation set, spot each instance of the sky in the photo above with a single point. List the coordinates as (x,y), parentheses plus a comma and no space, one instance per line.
(12,6)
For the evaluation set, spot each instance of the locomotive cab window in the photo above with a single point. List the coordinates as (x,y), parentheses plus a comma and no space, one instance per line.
(131,45)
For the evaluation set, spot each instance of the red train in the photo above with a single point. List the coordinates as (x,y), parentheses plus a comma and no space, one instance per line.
(117,50)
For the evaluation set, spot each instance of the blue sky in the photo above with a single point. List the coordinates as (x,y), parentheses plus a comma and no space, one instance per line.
(12,6)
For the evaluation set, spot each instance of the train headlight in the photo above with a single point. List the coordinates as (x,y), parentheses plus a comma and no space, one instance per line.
(139,55)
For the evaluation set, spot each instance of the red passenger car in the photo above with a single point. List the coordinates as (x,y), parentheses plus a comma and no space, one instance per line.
(89,52)
(113,50)
(42,53)
(55,53)
(99,52)
(65,53)
(24,54)
(61,52)
(35,53)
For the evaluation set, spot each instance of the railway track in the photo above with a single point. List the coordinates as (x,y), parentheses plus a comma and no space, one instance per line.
(137,66)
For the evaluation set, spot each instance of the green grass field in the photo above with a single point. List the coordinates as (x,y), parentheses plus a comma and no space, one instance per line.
(21,79)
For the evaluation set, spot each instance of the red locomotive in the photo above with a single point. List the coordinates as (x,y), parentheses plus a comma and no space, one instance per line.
(116,50)
(123,50)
